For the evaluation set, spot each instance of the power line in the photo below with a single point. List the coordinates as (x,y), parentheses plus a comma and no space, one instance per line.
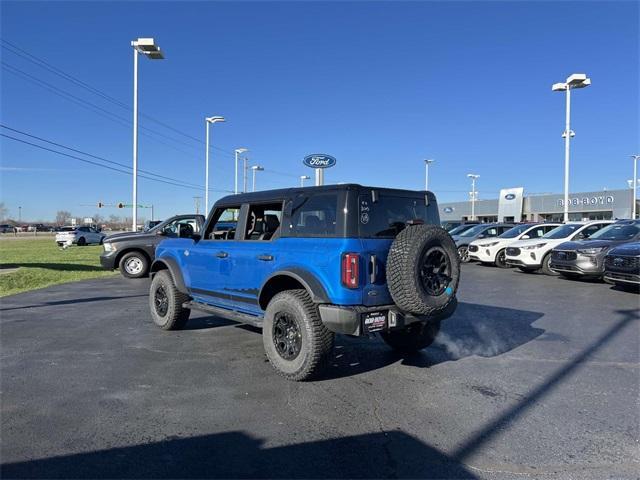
(13,48)
(105,166)
(91,155)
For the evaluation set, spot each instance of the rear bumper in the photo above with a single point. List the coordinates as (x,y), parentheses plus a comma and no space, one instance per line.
(352,320)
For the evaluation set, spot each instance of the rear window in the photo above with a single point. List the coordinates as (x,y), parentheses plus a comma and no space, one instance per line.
(386,217)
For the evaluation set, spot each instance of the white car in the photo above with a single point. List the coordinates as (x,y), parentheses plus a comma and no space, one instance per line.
(534,254)
(493,250)
(80,236)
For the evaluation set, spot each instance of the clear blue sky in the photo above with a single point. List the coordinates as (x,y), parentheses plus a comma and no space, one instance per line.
(378,85)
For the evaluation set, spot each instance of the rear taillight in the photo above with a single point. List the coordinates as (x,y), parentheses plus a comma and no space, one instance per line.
(351,270)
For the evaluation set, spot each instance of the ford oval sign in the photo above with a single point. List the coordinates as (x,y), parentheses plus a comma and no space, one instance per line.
(319,160)
(509,196)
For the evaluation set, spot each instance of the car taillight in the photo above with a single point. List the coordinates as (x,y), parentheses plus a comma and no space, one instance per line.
(350,270)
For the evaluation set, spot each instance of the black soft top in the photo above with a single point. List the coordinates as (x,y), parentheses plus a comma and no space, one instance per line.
(283,193)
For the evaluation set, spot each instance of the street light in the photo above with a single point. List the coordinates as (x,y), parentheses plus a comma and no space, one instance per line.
(148,48)
(577,80)
(208,121)
(427,162)
(238,151)
(303,178)
(635,183)
(255,168)
(473,178)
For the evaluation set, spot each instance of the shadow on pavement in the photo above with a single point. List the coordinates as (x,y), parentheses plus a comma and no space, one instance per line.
(71,302)
(392,454)
(67,267)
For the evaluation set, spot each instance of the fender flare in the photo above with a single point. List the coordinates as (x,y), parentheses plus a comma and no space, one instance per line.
(170,264)
(308,280)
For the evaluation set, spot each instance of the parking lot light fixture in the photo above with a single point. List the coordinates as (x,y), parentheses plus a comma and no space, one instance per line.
(303,178)
(238,151)
(208,121)
(427,162)
(255,168)
(148,48)
(473,192)
(577,80)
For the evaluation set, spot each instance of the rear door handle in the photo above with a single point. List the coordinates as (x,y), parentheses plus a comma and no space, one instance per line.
(222,254)
(265,258)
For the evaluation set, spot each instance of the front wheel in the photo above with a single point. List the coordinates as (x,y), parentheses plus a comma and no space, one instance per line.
(412,338)
(463,253)
(81,242)
(295,341)
(501,259)
(546,267)
(134,265)
(165,303)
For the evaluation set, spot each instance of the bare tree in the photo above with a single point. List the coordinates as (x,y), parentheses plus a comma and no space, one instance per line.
(62,217)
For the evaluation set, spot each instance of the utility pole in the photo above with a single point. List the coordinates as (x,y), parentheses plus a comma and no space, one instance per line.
(196,201)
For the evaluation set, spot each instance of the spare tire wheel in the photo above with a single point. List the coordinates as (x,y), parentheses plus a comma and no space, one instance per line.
(423,269)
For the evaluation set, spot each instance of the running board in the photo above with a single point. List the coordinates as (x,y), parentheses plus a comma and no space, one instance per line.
(226,314)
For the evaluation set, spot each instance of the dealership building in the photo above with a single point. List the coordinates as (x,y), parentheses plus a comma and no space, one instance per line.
(513,206)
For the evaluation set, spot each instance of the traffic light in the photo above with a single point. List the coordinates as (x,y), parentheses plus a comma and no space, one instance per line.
(121,205)
(100,204)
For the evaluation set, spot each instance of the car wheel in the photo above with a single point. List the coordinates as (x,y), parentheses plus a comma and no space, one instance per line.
(295,340)
(463,254)
(166,303)
(81,242)
(501,259)
(412,338)
(546,268)
(423,270)
(134,265)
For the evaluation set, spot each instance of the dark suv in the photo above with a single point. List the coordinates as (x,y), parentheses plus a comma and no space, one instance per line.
(133,252)
(306,263)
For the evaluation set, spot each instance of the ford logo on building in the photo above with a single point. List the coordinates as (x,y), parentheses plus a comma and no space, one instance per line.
(319,160)
(447,209)
(510,196)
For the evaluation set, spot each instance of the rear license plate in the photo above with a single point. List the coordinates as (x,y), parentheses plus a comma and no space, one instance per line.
(374,321)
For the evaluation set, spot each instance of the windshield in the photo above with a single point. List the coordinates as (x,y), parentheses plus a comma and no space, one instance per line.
(473,231)
(515,231)
(563,231)
(616,232)
(460,228)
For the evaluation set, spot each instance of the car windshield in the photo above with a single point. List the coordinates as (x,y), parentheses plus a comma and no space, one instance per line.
(460,228)
(515,231)
(473,231)
(616,232)
(563,231)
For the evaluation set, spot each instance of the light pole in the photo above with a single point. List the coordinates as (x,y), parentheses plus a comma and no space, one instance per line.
(303,178)
(427,162)
(577,80)
(245,172)
(238,151)
(473,178)
(196,201)
(255,168)
(635,184)
(208,121)
(148,48)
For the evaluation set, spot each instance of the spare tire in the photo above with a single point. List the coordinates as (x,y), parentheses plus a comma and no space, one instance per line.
(423,269)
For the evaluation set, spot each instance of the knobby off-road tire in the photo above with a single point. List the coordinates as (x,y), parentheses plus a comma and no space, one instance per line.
(134,265)
(165,303)
(296,342)
(423,270)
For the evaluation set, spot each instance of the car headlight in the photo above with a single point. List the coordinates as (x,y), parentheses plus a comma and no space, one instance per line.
(492,244)
(533,247)
(592,250)
(109,247)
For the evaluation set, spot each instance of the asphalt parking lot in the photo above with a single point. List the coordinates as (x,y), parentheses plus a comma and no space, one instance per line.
(533,377)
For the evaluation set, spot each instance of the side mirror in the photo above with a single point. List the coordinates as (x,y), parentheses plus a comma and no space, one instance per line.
(525,237)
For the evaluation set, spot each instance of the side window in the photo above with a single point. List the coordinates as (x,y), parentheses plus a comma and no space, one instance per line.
(224,225)
(548,228)
(590,230)
(315,215)
(501,230)
(83,229)
(263,221)
(537,232)
(491,232)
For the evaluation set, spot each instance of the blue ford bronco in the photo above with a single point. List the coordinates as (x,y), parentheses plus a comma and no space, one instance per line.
(306,263)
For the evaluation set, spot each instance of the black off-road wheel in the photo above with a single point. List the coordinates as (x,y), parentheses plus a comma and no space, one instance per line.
(296,342)
(423,270)
(501,259)
(165,303)
(134,265)
(412,338)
